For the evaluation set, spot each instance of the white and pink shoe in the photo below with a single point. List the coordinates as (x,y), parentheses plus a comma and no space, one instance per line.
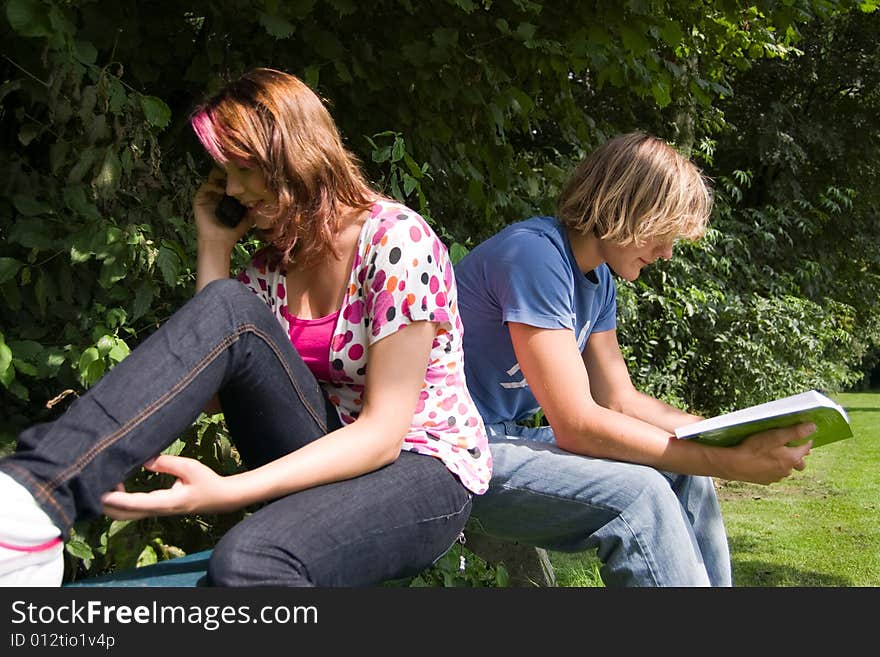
(31,549)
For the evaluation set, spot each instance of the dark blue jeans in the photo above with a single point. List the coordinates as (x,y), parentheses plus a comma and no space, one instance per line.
(386,524)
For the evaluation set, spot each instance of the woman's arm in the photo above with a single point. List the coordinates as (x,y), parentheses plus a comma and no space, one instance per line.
(394,379)
(562,385)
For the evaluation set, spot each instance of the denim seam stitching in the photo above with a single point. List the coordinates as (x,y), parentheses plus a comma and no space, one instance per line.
(293,380)
(77,466)
(643,547)
(44,491)
(380,532)
(38,487)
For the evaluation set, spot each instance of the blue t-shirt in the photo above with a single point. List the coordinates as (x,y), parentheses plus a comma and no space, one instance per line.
(526,273)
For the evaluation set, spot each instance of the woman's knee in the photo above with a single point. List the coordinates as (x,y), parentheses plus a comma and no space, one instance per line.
(227,290)
(243,558)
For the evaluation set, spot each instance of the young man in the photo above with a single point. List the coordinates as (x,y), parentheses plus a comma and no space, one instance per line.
(538,303)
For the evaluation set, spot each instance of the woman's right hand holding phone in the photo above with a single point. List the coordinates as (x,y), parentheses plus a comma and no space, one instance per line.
(211,231)
(215,239)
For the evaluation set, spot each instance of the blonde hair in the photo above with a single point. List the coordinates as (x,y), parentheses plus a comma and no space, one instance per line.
(634,188)
(274,121)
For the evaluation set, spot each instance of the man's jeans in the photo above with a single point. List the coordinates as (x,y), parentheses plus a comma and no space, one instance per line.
(650,528)
(386,524)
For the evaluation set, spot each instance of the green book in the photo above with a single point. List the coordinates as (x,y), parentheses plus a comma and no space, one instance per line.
(832,422)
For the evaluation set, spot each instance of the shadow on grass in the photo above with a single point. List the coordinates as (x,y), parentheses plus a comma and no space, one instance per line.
(761,573)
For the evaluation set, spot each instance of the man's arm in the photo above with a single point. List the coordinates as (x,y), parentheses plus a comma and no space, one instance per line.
(612,387)
(557,376)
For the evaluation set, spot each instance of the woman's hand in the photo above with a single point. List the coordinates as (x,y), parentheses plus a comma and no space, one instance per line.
(197,489)
(215,240)
(765,457)
(210,229)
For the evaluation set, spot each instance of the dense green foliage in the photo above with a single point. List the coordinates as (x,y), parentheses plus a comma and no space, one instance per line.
(472,112)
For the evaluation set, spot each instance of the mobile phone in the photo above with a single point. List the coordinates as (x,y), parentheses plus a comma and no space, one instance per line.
(229,211)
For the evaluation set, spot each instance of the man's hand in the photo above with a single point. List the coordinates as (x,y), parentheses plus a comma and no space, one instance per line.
(765,457)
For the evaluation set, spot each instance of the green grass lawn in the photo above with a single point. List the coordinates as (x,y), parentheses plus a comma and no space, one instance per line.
(819,527)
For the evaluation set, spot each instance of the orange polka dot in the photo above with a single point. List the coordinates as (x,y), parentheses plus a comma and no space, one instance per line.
(415,262)
(450,365)
(410,298)
(391,284)
(384,240)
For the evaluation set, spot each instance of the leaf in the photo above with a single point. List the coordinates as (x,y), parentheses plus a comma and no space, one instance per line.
(525,31)
(381,155)
(58,155)
(105,344)
(169,265)
(24,367)
(7,373)
(445,37)
(502,577)
(398,150)
(28,132)
(456,252)
(116,317)
(119,351)
(147,557)
(79,549)
(28,18)
(86,160)
(117,526)
(27,349)
(29,206)
(276,26)
(113,271)
(143,298)
(671,33)
(9,268)
(32,234)
(661,92)
(19,391)
(312,75)
(156,111)
(175,448)
(88,357)
(85,52)
(409,184)
(634,41)
(76,200)
(93,373)
(107,180)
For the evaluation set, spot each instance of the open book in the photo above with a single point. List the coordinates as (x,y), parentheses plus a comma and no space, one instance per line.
(832,422)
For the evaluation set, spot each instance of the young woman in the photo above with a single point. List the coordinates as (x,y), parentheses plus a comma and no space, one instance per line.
(538,303)
(336,357)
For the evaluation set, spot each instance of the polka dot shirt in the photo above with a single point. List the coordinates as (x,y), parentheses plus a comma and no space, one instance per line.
(401,274)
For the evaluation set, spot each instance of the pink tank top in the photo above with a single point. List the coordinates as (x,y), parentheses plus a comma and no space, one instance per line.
(311,338)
